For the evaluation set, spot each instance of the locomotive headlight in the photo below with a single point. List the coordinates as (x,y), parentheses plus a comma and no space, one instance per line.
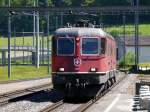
(77,39)
(61,69)
(93,69)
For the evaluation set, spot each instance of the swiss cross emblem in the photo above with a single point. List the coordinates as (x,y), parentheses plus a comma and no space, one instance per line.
(77,61)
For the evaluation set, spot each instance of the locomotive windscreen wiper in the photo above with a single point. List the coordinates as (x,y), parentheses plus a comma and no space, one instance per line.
(69,38)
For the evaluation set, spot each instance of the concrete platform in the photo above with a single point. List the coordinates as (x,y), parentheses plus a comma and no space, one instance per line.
(120,99)
(10,87)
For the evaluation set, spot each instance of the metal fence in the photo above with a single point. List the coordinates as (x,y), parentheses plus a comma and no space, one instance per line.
(23,50)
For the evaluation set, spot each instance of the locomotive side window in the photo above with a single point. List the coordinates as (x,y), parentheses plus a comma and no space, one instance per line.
(65,46)
(53,45)
(103,45)
(90,46)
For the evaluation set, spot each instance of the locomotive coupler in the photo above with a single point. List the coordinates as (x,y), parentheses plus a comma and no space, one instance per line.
(81,83)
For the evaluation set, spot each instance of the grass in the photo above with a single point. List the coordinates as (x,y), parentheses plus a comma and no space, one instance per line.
(144,29)
(23,72)
(28,41)
(144,64)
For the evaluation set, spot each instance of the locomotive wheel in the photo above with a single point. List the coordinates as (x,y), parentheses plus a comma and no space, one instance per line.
(114,79)
(106,85)
(110,82)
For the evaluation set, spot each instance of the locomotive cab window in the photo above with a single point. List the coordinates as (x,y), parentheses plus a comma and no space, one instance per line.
(90,46)
(65,46)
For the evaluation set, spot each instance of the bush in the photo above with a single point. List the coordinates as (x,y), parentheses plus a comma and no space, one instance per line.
(129,60)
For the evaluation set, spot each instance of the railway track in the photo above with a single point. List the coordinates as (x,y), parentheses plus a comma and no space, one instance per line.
(10,96)
(84,106)
(53,106)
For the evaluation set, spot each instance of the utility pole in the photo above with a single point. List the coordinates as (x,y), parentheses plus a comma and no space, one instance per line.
(124,38)
(62,19)
(136,35)
(48,54)
(37,37)
(34,25)
(15,44)
(9,43)
(56,22)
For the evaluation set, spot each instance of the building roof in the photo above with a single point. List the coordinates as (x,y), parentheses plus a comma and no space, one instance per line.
(143,40)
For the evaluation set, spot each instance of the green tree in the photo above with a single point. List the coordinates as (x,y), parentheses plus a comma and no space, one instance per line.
(77,3)
(45,2)
(88,2)
(2,2)
(144,2)
(31,2)
(110,3)
(50,3)
(16,2)
(67,2)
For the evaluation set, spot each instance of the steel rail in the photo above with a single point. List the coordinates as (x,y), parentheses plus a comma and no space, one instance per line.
(53,106)
(85,106)
(7,97)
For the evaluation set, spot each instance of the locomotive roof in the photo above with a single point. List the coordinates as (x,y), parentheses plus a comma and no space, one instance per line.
(81,32)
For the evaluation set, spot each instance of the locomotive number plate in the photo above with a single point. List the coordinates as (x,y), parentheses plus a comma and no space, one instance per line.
(77,61)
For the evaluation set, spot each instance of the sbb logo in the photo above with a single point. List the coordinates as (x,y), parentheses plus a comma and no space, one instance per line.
(77,61)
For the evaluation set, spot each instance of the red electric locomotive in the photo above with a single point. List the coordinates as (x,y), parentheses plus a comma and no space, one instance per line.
(83,57)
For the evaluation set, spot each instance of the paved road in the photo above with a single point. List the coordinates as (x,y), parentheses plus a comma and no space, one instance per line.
(10,87)
(120,99)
